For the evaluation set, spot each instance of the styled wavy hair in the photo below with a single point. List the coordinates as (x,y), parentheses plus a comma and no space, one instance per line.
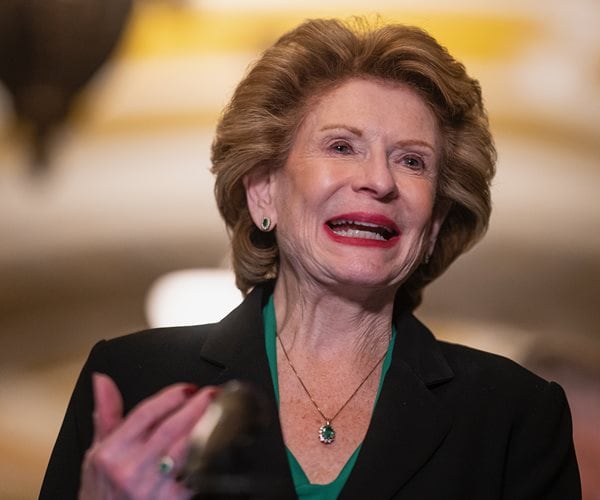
(258,127)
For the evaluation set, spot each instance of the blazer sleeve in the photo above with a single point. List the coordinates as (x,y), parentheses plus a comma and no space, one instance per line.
(541,460)
(63,474)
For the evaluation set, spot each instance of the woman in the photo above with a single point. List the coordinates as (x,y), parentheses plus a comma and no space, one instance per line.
(352,167)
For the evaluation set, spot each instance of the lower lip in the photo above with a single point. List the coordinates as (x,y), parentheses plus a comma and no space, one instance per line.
(361,242)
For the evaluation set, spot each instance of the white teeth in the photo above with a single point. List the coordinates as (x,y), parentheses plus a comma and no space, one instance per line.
(342,221)
(356,233)
(339,227)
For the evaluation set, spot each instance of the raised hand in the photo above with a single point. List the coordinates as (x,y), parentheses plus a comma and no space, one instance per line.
(139,456)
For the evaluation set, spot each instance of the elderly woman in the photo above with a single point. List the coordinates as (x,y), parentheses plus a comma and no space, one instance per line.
(352,167)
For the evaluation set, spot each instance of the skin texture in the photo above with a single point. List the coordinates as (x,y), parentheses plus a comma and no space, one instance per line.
(368,148)
(123,460)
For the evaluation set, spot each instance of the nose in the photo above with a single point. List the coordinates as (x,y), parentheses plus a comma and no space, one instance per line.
(376,179)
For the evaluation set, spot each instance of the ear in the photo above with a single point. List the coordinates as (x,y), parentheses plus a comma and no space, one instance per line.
(440,211)
(259,186)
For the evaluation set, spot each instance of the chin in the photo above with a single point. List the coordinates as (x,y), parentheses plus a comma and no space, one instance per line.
(365,276)
(364,281)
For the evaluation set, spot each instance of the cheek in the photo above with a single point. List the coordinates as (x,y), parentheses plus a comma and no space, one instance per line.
(302,195)
(419,202)
(293,204)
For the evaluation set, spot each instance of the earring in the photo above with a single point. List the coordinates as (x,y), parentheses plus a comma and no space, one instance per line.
(426,258)
(265,224)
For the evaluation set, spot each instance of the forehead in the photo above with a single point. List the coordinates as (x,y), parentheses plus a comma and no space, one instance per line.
(376,105)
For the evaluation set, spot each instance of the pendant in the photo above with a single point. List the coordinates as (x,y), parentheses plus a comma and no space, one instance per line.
(326,433)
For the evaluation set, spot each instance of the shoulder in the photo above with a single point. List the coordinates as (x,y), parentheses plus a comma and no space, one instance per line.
(144,362)
(153,345)
(189,340)
(457,368)
(502,413)
(473,364)
(488,393)
(500,386)
(157,340)
(521,415)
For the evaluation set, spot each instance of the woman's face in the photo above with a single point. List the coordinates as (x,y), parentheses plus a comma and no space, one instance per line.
(354,203)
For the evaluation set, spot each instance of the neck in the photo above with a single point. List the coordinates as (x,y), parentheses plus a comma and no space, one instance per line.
(324,323)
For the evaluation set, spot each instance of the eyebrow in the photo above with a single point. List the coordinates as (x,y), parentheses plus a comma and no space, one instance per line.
(349,128)
(359,133)
(416,142)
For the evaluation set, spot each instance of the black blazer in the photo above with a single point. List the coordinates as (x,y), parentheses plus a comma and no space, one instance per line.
(451,422)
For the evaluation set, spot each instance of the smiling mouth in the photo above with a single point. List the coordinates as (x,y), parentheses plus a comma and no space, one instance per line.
(347,228)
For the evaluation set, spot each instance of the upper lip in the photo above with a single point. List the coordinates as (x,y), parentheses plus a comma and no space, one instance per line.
(367,221)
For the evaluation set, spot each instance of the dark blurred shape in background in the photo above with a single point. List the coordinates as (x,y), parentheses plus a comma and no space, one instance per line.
(49,49)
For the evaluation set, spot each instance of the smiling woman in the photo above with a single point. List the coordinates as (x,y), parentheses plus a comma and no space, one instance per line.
(260,123)
(361,175)
(352,167)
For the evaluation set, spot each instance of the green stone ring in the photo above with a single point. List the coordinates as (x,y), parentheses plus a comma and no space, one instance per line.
(166,465)
(326,433)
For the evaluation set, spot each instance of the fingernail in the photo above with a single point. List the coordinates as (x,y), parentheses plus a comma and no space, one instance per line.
(213,391)
(190,389)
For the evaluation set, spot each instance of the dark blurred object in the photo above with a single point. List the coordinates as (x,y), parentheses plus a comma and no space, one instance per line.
(215,465)
(49,49)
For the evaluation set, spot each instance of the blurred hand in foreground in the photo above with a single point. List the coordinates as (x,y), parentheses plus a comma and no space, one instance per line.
(139,456)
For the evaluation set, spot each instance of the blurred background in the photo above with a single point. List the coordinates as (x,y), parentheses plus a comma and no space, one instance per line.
(107,110)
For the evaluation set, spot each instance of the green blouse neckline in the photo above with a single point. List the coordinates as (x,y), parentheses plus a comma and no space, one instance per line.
(304,489)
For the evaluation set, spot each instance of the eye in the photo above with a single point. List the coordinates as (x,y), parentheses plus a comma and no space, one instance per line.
(414,162)
(341,147)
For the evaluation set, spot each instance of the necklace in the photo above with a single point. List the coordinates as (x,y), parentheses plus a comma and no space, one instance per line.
(326,431)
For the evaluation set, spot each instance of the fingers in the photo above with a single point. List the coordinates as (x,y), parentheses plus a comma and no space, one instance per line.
(180,424)
(172,435)
(145,417)
(126,452)
(108,406)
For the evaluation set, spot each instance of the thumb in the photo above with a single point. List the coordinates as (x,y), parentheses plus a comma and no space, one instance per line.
(108,406)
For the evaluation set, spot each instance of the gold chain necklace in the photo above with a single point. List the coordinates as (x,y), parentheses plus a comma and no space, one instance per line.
(326,431)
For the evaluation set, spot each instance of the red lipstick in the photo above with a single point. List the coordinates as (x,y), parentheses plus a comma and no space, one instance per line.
(363,229)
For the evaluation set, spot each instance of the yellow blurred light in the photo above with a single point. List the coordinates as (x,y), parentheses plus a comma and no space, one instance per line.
(162,30)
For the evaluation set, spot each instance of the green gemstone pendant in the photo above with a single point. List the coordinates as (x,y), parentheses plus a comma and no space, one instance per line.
(326,433)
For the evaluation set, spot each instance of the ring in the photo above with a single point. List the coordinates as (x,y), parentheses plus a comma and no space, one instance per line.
(166,465)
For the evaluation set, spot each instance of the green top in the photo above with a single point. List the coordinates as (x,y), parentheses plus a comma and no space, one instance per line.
(304,489)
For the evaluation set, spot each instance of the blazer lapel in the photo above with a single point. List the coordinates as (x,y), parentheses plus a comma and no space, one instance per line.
(408,423)
(237,346)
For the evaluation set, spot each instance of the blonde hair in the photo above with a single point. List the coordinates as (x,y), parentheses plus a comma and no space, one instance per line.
(258,126)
